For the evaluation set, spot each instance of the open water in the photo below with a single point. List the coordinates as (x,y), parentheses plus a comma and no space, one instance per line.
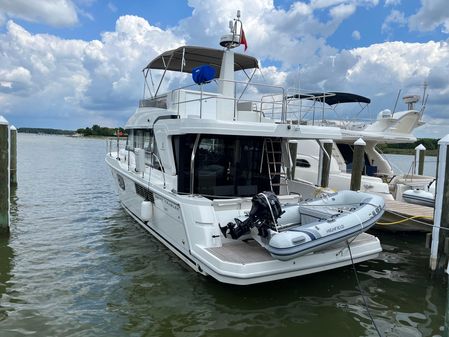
(77,265)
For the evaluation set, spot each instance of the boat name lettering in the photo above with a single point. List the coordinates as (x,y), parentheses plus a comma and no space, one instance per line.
(168,203)
(334,229)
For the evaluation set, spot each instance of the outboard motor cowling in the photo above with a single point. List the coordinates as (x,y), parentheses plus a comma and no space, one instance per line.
(265,211)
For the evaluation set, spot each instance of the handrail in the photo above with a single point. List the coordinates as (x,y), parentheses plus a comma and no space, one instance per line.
(282,103)
(174,94)
(192,163)
(160,165)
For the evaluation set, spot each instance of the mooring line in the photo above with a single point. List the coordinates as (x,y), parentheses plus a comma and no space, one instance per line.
(361,291)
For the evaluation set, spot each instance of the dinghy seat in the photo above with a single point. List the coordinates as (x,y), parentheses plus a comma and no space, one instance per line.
(310,213)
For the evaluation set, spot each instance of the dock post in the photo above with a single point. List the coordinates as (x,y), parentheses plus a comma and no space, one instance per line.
(438,257)
(4,176)
(420,154)
(13,157)
(293,148)
(358,161)
(326,155)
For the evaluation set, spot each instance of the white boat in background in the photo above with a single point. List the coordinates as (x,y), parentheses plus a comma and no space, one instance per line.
(388,128)
(419,197)
(198,157)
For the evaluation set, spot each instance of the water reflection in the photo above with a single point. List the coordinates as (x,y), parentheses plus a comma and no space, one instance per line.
(6,255)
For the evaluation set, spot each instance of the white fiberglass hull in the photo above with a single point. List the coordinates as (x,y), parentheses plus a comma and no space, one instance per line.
(419,197)
(189,227)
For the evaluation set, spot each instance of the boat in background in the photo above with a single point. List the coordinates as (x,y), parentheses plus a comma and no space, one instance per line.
(204,170)
(388,128)
(419,197)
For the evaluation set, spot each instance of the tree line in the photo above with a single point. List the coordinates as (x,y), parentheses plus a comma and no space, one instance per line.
(97,130)
(47,131)
(430,144)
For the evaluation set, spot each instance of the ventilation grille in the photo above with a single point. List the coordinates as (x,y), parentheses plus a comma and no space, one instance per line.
(145,193)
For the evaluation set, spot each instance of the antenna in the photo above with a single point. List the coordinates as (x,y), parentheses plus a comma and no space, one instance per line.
(232,40)
(423,102)
(396,103)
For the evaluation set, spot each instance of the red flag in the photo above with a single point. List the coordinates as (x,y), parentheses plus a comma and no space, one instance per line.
(243,39)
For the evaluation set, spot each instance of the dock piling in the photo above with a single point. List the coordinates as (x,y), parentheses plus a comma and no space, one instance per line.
(438,259)
(4,176)
(357,164)
(13,157)
(420,154)
(325,160)
(293,148)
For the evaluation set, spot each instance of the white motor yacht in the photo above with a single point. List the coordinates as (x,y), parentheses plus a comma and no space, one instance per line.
(205,171)
(388,128)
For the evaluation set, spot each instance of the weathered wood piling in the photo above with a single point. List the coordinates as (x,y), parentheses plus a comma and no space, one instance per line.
(325,160)
(440,233)
(4,176)
(293,148)
(357,164)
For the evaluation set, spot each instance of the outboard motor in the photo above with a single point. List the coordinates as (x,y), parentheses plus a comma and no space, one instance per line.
(265,211)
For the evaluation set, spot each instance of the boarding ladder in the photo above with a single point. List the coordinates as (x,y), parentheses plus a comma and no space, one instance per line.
(272,150)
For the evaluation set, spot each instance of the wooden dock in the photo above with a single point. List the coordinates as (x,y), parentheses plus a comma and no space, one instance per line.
(403,216)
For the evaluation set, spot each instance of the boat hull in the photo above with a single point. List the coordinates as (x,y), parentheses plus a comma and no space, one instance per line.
(419,197)
(188,227)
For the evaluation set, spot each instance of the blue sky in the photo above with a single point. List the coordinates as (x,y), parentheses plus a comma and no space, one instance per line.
(72,63)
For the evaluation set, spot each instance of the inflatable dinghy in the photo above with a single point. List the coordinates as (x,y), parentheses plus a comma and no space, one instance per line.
(419,197)
(297,229)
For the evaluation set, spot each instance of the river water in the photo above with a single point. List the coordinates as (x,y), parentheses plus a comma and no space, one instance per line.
(77,265)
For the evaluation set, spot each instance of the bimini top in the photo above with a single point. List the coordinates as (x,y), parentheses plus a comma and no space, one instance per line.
(332,97)
(197,56)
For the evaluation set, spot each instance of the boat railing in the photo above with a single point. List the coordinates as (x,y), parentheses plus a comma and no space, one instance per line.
(188,101)
(115,144)
(158,165)
(255,102)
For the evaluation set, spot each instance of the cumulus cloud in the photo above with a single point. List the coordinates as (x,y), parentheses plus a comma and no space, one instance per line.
(77,83)
(77,78)
(382,69)
(54,12)
(298,33)
(432,14)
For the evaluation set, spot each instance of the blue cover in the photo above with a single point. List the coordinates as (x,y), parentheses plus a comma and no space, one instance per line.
(203,74)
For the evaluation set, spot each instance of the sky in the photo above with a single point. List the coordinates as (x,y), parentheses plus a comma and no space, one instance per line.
(73,63)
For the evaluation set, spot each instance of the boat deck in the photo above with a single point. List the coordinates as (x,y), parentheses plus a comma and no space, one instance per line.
(242,252)
(246,252)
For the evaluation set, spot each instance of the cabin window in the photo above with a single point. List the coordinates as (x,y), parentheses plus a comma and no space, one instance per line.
(225,166)
(144,139)
(302,163)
